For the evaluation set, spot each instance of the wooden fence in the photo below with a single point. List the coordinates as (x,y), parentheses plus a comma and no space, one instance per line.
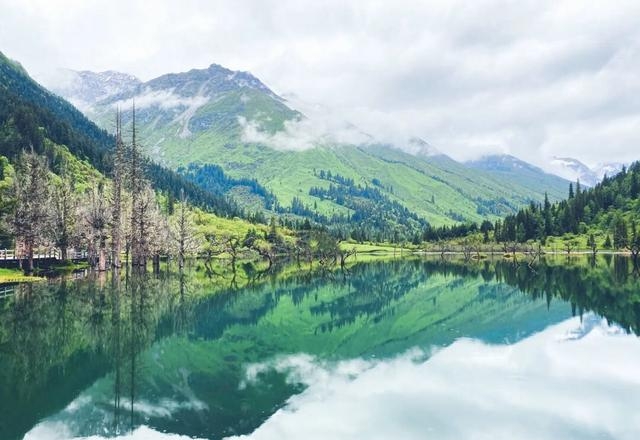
(6,291)
(42,254)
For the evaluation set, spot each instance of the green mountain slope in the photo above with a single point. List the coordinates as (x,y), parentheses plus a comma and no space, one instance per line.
(512,169)
(33,117)
(215,115)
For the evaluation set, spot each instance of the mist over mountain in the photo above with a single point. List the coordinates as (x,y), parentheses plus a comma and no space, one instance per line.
(511,167)
(573,169)
(232,119)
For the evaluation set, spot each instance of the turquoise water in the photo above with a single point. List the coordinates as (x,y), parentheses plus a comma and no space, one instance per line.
(401,349)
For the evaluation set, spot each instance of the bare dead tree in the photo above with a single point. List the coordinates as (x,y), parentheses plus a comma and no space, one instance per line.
(159,237)
(467,250)
(138,207)
(65,215)
(96,218)
(146,215)
(443,246)
(183,232)
(344,254)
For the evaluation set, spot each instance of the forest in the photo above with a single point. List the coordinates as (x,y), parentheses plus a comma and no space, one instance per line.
(603,217)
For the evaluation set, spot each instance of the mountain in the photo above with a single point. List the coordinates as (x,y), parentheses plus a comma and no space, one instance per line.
(573,169)
(515,169)
(607,169)
(179,112)
(231,119)
(82,88)
(31,117)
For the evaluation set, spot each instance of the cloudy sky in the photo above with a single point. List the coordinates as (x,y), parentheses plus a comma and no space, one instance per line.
(532,78)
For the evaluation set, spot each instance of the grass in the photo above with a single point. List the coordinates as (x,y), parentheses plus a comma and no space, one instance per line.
(8,276)
(416,180)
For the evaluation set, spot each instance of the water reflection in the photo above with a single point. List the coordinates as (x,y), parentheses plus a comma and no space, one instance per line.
(105,356)
(548,386)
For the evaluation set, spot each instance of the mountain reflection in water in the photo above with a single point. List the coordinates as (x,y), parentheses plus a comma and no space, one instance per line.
(400,348)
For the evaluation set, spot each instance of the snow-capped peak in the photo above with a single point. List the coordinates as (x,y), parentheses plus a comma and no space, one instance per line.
(572,169)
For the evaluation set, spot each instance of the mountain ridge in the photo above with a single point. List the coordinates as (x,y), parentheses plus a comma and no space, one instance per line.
(218,116)
(573,169)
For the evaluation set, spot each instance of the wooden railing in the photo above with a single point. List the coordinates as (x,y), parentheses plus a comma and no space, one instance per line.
(6,291)
(53,254)
(7,254)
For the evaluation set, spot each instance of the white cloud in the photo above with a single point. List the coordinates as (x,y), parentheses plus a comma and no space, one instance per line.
(59,431)
(548,386)
(533,78)
(165,99)
(304,134)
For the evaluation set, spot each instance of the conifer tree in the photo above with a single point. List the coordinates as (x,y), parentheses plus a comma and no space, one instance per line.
(116,203)
(31,218)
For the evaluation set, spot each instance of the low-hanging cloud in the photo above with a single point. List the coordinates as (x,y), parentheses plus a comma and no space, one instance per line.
(302,134)
(165,99)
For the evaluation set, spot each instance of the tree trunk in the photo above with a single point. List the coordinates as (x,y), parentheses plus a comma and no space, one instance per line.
(156,263)
(30,259)
(102,259)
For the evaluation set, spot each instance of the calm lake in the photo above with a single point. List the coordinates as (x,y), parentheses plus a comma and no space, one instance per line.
(410,349)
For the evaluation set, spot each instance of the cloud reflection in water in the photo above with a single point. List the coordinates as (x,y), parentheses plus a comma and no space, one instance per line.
(572,380)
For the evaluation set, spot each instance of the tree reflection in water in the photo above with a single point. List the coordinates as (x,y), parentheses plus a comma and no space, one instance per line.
(57,339)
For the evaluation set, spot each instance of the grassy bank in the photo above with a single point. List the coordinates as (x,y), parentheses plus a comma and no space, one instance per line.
(16,276)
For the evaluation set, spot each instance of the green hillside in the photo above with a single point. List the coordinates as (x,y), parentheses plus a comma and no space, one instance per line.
(31,117)
(202,116)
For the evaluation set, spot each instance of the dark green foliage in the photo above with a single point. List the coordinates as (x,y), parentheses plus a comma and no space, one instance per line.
(604,206)
(212,178)
(620,233)
(499,206)
(449,232)
(378,218)
(29,114)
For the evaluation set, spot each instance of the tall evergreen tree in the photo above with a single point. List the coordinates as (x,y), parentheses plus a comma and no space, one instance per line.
(116,202)
(30,218)
(571,194)
(620,233)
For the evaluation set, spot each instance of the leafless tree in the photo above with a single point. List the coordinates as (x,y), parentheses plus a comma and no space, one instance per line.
(183,232)
(443,247)
(145,214)
(96,217)
(344,254)
(65,215)
(467,250)
(139,203)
